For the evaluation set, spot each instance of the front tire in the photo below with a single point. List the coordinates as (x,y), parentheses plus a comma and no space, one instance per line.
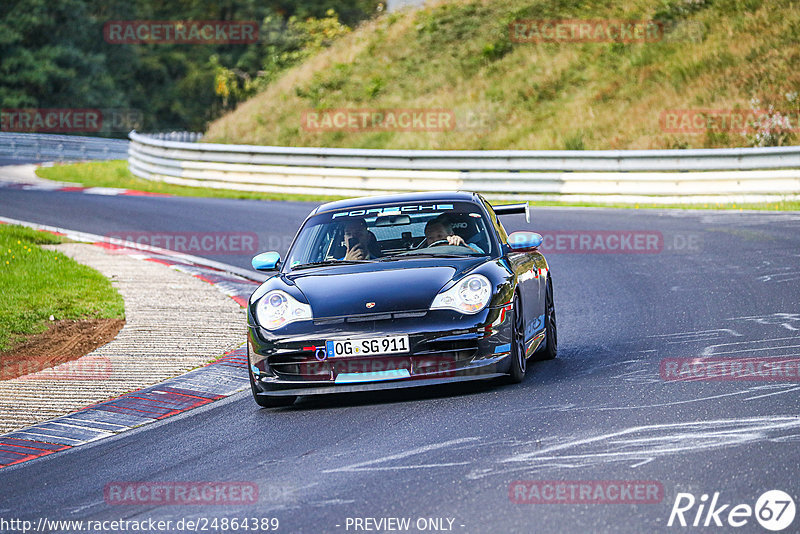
(519,362)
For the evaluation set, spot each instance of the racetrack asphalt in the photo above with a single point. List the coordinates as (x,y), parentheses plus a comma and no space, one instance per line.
(719,284)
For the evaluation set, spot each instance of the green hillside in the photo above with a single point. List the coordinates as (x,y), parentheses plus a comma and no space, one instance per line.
(459,56)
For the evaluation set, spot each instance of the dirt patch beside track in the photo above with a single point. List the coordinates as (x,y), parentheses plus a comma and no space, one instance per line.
(64,341)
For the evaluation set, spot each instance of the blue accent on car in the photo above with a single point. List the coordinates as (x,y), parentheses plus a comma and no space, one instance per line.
(266,261)
(502,348)
(349,378)
(532,329)
(522,241)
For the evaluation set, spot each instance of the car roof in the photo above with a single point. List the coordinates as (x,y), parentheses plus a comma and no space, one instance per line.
(363,202)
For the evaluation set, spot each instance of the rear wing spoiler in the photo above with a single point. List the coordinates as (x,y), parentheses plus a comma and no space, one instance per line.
(510,209)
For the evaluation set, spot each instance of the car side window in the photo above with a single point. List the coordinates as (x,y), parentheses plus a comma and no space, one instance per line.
(498,226)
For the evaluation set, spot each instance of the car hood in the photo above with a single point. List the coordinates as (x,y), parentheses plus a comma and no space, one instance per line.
(333,293)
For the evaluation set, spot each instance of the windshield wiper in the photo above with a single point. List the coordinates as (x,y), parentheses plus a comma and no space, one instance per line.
(329,262)
(429,255)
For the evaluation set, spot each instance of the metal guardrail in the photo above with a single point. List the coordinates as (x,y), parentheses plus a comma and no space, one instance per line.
(46,147)
(184,137)
(666,176)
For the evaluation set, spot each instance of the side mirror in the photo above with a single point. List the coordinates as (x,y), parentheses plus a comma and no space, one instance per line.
(524,241)
(266,261)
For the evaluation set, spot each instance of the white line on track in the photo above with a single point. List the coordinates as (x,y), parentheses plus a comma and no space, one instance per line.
(365,466)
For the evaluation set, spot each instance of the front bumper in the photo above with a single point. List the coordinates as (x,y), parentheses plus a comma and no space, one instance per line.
(444,348)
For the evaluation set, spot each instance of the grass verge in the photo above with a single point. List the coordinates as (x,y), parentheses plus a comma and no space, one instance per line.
(116,174)
(36,283)
(504,93)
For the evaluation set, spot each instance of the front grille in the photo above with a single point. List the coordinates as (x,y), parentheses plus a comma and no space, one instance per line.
(300,365)
(365,317)
(428,357)
(443,356)
(443,347)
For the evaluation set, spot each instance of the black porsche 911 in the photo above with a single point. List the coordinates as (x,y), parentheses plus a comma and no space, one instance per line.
(399,291)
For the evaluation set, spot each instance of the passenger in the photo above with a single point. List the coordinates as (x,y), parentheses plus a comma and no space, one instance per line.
(360,243)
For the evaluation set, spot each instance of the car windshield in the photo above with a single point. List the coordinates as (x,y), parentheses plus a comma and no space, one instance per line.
(394,232)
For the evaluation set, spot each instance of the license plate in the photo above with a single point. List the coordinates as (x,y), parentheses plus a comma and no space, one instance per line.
(371,346)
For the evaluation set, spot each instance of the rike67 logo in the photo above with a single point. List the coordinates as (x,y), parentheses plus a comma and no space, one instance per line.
(774,510)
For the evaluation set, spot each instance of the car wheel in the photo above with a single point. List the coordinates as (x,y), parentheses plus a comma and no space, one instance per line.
(518,358)
(551,332)
(268,402)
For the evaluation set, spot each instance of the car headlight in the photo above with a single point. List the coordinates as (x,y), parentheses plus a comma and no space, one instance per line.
(278,308)
(470,295)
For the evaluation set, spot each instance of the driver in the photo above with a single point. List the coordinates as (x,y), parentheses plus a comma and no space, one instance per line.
(440,232)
